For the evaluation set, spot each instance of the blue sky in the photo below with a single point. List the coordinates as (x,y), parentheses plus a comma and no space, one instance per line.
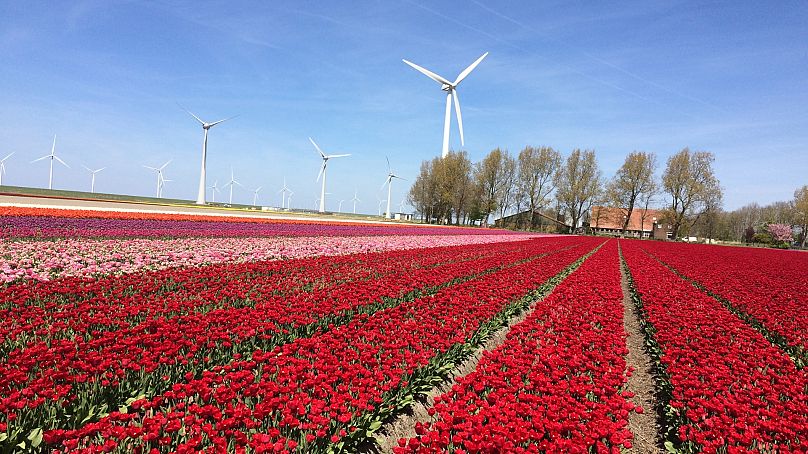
(106,77)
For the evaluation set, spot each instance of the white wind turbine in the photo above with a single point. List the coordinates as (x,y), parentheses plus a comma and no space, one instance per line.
(93,172)
(51,156)
(451,91)
(354,200)
(283,192)
(289,199)
(401,206)
(159,171)
(389,183)
(231,183)
(381,202)
(339,210)
(213,190)
(200,198)
(255,195)
(322,171)
(3,167)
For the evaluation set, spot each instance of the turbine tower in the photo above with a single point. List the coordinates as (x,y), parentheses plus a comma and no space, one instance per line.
(93,172)
(231,183)
(322,171)
(283,192)
(159,171)
(200,198)
(451,92)
(213,190)
(389,183)
(255,194)
(51,156)
(354,200)
(3,167)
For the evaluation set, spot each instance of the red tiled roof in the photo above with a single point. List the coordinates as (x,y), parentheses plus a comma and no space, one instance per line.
(612,218)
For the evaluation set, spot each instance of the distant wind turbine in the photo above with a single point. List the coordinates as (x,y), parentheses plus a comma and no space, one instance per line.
(401,206)
(93,172)
(51,156)
(451,91)
(322,171)
(213,190)
(231,183)
(339,209)
(389,183)
(289,199)
(255,195)
(354,200)
(159,171)
(283,192)
(381,202)
(3,166)
(200,198)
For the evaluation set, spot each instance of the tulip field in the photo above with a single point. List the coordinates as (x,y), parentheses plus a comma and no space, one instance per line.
(155,333)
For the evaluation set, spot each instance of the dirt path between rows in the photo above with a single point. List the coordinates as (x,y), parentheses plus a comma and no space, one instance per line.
(641,382)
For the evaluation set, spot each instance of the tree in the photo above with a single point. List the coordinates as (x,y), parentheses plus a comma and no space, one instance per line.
(454,179)
(691,183)
(537,167)
(633,183)
(506,194)
(578,182)
(488,175)
(801,212)
(781,233)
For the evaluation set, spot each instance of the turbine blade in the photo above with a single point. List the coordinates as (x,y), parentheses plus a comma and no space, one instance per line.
(7,156)
(191,114)
(60,160)
(53,147)
(389,177)
(468,70)
(337,155)
(39,159)
(98,170)
(87,168)
(317,147)
(322,169)
(428,73)
(222,121)
(459,116)
(388,164)
(167,163)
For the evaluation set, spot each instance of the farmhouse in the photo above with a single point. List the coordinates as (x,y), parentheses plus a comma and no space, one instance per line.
(643,223)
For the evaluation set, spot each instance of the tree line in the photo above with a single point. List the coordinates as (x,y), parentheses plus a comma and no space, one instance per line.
(540,181)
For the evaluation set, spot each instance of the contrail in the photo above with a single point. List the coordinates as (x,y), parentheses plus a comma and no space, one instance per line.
(599,60)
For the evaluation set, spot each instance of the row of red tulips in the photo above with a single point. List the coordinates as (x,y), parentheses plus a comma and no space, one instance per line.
(70,307)
(553,386)
(329,391)
(725,388)
(63,383)
(770,286)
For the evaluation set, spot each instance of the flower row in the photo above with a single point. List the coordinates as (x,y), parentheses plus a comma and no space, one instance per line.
(45,260)
(769,285)
(731,389)
(553,386)
(50,223)
(326,390)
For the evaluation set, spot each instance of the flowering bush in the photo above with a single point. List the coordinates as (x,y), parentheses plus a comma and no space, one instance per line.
(781,233)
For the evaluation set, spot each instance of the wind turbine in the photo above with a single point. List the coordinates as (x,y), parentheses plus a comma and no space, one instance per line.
(381,201)
(214,189)
(283,192)
(322,171)
(339,210)
(159,171)
(401,206)
(389,183)
(231,183)
(51,156)
(354,200)
(255,194)
(200,198)
(317,202)
(3,166)
(93,172)
(289,199)
(451,92)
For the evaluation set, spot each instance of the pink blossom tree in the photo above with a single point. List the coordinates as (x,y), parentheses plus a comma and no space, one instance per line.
(781,233)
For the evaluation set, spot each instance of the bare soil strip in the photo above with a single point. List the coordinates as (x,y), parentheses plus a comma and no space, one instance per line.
(641,382)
